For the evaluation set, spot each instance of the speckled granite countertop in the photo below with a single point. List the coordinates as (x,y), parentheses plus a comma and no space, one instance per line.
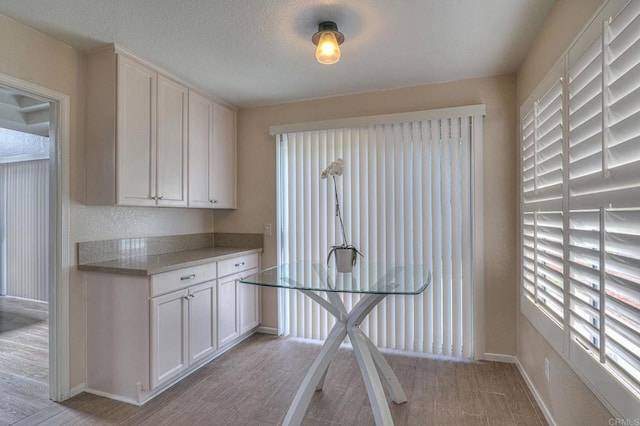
(151,264)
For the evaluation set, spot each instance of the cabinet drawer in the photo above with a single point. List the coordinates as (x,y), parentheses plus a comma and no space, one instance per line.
(237,264)
(181,278)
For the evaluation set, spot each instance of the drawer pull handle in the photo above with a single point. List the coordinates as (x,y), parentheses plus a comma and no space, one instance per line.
(188,277)
(240,264)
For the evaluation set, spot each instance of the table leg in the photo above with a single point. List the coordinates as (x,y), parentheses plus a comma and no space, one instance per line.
(388,376)
(370,361)
(367,366)
(315,374)
(321,382)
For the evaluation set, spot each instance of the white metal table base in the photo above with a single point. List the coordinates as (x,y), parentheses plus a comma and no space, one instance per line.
(372,364)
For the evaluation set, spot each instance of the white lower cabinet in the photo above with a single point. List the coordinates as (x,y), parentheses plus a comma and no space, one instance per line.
(202,321)
(228,321)
(249,302)
(146,332)
(238,304)
(238,307)
(169,332)
(183,330)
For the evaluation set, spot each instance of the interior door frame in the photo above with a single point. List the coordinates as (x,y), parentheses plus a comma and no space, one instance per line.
(60,250)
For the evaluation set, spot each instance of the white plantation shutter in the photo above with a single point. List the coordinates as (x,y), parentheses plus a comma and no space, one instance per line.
(585,163)
(604,199)
(622,218)
(406,198)
(529,256)
(601,206)
(542,196)
(622,294)
(528,157)
(584,277)
(549,264)
(548,145)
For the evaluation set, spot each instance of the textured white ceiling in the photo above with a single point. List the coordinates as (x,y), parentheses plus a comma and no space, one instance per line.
(257,52)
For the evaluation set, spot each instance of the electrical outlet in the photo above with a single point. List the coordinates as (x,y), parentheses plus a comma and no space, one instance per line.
(547,369)
(267,229)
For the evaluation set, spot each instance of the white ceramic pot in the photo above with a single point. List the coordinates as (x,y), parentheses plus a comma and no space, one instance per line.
(345,258)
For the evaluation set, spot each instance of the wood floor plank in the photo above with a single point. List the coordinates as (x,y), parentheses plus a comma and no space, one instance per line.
(42,416)
(24,359)
(496,408)
(527,421)
(254,384)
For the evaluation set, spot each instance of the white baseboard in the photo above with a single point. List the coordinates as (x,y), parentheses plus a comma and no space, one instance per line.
(76,390)
(511,359)
(267,330)
(536,395)
(113,396)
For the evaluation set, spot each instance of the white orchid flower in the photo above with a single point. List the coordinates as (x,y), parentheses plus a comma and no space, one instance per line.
(336,168)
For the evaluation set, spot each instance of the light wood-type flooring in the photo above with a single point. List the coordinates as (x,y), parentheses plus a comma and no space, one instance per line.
(254,383)
(24,359)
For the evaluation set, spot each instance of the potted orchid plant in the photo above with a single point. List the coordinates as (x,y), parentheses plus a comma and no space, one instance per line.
(346,254)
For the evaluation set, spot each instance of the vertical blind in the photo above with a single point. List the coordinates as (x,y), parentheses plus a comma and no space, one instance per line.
(24,215)
(406,198)
(595,254)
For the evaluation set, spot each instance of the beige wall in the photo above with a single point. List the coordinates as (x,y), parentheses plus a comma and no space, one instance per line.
(568,400)
(257,178)
(34,57)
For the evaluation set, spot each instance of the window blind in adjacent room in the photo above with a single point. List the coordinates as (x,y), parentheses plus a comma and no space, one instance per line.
(24,221)
(406,198)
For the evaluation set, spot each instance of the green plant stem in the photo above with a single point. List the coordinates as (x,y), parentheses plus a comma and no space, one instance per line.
(338,213)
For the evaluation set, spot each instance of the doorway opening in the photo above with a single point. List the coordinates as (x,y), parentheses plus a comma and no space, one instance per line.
(58,244)
(25,157)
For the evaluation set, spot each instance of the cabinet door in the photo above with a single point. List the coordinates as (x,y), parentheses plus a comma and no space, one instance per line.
(200,140)
(224,157)
(249,305)
(202,321)
(136,133)
(169,333)
(228,324)
(172,143)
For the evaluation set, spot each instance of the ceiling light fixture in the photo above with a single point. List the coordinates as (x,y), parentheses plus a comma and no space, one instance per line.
(328,39)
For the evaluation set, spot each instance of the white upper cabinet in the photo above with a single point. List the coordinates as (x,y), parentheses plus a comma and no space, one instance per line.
(136,134)
(224,157)
(212,154)
(171,150)
(200,149)
(137,138)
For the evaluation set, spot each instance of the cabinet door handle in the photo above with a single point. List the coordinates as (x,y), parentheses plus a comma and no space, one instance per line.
(188,277)
(192,296)
(239,264)
(161,197)
(215,201)
(186,297)
(153,198)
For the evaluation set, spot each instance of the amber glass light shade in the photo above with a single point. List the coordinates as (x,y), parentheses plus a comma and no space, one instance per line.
(328,39)
(328,51)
